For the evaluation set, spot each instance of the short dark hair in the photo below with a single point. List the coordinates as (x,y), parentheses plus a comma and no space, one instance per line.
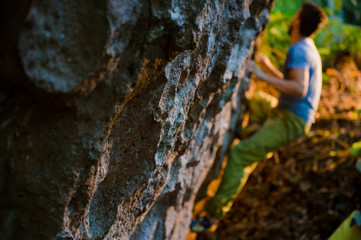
(312,18)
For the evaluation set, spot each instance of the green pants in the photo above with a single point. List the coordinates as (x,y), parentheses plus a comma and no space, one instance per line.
(280,127)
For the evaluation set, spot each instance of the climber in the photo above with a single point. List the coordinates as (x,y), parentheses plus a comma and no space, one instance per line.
(282,122)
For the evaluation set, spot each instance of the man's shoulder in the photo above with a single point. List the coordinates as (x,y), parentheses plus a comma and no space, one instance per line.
(298,51)
(305,48)
(303,45)
(303,54)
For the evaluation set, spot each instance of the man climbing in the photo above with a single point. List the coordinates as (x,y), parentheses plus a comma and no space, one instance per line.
(300,90)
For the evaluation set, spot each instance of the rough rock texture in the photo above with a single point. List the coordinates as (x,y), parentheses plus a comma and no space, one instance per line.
(113,114)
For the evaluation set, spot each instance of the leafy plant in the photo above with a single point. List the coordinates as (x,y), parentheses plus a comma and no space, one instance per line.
(338,37)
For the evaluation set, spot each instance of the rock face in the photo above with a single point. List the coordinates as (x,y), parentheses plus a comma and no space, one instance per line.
(123,109)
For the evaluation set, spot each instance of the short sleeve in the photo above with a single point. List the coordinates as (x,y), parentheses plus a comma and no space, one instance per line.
(298,59)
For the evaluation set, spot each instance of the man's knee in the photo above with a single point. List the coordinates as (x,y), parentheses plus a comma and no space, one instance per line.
(242,156)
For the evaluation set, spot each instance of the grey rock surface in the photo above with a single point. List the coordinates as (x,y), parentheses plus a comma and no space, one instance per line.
(127,108)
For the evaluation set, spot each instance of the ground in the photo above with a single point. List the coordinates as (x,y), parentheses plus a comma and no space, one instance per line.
(309,187)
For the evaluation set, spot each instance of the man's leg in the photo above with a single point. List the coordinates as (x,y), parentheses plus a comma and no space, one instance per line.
(275,132)
(261,106)
(259,109)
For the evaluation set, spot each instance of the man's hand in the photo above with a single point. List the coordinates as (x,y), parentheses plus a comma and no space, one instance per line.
(263,60)
(267,66)
(253,68)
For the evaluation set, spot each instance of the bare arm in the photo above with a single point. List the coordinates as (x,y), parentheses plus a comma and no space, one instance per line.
(297,85)
(267,66)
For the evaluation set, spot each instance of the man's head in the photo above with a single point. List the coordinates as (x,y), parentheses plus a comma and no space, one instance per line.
(308,20)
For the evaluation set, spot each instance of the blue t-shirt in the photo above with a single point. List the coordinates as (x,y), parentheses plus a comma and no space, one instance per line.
(304,55)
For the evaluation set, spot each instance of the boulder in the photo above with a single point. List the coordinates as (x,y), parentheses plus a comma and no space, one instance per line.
(120,111)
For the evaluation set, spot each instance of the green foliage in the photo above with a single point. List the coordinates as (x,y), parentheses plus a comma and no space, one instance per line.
(338,5)
(338,37)
(287,7)
(352,11)
(325,78)
(355,149)
(276,39)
